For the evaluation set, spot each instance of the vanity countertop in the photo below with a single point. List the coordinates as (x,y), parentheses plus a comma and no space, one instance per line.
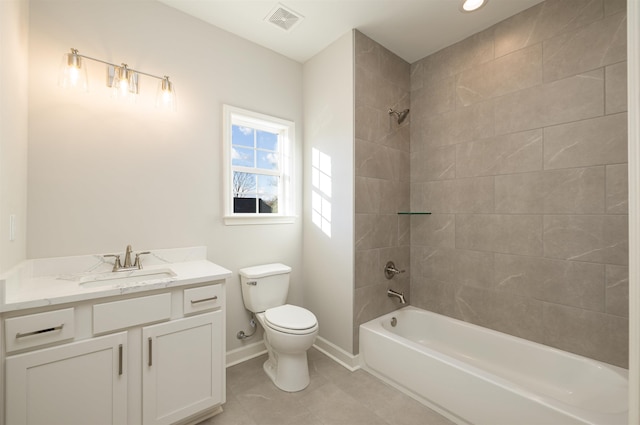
(46,282)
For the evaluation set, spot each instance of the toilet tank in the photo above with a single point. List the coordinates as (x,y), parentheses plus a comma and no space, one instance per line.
(264,286)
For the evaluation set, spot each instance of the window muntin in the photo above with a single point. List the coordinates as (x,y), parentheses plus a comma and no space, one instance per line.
(258,158)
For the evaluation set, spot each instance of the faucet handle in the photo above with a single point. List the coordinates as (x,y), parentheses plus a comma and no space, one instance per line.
(117,265)
(138,263)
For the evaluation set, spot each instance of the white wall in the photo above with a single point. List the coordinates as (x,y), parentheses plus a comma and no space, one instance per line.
(104,174)
(329,120)
(14,71)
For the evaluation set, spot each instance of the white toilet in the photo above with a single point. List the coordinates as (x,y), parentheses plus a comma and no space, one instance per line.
(289,331)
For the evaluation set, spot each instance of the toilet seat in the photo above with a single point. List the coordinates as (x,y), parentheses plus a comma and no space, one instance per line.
(291,319)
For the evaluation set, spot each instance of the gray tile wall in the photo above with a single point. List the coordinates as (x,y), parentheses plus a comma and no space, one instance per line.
(519,148)
(381,178)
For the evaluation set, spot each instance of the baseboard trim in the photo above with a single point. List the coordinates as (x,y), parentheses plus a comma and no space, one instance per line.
(347,360)
(245,353)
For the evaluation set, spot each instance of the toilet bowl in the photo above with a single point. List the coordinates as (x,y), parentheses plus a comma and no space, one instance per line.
(287,339)
(289,330)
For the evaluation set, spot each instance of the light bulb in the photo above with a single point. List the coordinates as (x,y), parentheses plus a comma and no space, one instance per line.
(166,96)
(73,75)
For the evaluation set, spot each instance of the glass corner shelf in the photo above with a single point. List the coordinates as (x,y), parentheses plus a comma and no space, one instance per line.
(413,213)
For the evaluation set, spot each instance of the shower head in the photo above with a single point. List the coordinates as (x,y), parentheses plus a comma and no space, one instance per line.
(401,115)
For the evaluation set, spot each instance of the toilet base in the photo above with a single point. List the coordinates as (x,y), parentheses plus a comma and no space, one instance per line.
(289,372)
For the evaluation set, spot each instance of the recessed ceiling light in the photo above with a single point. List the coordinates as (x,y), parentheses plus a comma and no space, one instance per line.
(472,5)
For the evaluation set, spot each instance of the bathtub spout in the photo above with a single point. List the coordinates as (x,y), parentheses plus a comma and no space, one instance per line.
(399,295)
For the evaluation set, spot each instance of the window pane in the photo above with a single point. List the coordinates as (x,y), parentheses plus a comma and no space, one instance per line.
(244,185)
(268,193)
(267,140)
(267,160)
(242,136)
(244,157)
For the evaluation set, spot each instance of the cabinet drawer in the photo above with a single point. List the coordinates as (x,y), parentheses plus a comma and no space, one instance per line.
(202,298)
(127,313)
(39,329)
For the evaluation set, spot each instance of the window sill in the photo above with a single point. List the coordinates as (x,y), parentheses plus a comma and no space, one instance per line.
(242,220)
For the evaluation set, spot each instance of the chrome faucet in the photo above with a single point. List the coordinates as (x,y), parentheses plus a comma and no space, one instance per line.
(399,295)
(119,267)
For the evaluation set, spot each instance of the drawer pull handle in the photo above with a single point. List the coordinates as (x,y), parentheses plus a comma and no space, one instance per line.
(215,297)
(38,332)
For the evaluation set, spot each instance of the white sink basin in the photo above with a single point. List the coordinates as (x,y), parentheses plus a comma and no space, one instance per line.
(126,277)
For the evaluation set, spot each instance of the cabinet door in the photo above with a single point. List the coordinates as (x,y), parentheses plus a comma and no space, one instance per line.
(182,368)
(82,383)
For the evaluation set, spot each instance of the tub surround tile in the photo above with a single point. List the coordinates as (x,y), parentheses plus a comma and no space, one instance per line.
(434,97)
(593,238)
(512,72)
(511,153)
(377,161)
(380,196)
(461,125)
(507,234)
(617,189)
(382,174)
(617,290)
(371,301)
(596,141)
(376,231)
(366,267)
(472,195)
(455,266)
(615,81)
(571,99)
(468,53)
(603,42)
(597,335)
(371,124)
(569,283)
(612,7)
(435,295)
(433,164)
(503,312)
(436,230)
(571,191)
(544,21)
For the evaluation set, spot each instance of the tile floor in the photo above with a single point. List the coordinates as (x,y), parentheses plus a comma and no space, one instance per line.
(335,396)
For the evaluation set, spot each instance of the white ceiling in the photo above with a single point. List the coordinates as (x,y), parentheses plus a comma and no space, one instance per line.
(412,29)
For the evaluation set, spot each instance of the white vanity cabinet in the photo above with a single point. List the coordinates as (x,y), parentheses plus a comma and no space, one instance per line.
(181,360)
(149,358)
(80,383)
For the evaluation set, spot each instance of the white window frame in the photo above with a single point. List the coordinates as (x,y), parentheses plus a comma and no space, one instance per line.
(285,214)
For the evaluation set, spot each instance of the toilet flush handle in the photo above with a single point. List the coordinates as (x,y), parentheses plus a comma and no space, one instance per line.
(252,283)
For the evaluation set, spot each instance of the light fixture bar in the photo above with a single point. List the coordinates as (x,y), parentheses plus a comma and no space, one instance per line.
(75,53)
(122,72)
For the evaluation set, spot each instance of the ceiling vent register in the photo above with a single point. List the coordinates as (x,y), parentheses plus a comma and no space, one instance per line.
(284,18)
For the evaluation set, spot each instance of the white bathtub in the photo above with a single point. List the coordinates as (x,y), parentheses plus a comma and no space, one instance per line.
(479,376)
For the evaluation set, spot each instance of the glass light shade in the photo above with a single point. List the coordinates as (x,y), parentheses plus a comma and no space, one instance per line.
(125,83)
(166,96)
(73,73)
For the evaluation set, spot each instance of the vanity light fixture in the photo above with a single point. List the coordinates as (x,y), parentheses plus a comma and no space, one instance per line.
(472,5)
(122,79)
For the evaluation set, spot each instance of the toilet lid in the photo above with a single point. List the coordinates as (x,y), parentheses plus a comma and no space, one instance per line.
(290,317)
